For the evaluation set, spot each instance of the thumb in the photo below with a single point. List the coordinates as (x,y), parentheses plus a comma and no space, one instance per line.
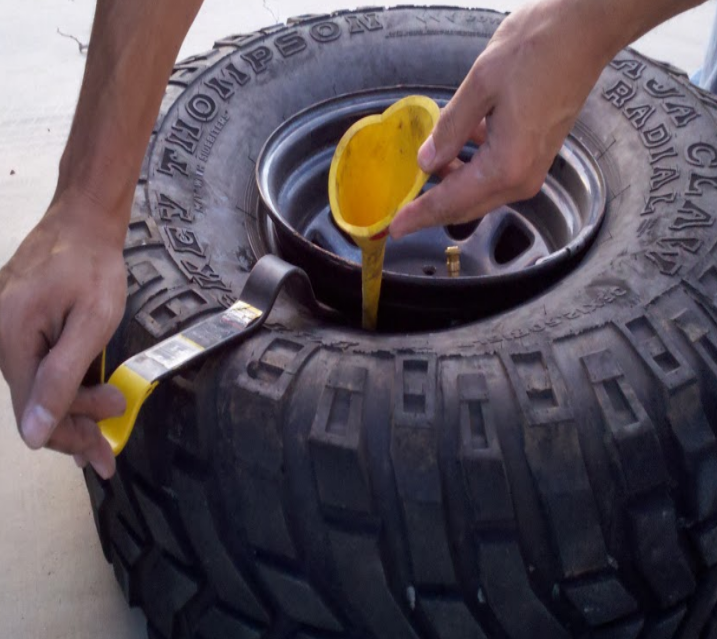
(460,121)
(57,382)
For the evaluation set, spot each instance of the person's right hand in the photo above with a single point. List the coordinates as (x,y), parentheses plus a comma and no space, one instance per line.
(518,102)
(62,296)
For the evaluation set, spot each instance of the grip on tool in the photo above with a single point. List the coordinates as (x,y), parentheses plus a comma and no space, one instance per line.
(140,375)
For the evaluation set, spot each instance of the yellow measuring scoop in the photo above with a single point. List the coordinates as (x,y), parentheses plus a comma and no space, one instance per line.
(374,173)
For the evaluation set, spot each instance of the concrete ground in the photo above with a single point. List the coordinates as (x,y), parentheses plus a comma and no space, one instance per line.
(54,582)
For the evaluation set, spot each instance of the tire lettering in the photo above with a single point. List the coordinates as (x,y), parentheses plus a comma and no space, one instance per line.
(703,155)
(290,44)
(662,176)
(258,58)
(639,115)
(697,181)
(656,137)
(325,31)
(184,135)
(223,88)
(657,155)
(681,114)
(169,209)
(653,200)
(661,91)
(235,74)
(631,69)
(202,107)
(691,216)
(688,244)
(666,261)
(184,240)
(205,275)
(170,163)
(363,22)
(620,93)
(211,138)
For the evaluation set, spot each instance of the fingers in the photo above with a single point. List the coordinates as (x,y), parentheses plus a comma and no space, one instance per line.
(78,434)
(470,191)
(452,166)
(58,378)
(463,195)
(98,402)
(461,120)
(81,437)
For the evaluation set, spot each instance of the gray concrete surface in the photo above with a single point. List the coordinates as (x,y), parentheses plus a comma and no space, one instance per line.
(54,582)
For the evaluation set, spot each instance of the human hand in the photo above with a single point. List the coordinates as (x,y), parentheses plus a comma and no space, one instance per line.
(62,296)
(518,103)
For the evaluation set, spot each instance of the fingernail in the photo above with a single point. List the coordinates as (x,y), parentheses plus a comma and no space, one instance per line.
(118,402)
(395,231)
(426,154)
(37,423)
(104,468)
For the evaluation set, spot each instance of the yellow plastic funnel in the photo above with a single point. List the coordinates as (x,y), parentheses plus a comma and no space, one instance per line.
(374,173)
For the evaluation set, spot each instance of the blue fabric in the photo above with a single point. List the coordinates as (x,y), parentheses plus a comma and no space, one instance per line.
(706,77)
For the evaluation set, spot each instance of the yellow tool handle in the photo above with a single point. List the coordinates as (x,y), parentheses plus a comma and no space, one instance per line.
(140,375)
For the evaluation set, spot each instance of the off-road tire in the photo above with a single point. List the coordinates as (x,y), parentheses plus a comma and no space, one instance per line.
(550,472)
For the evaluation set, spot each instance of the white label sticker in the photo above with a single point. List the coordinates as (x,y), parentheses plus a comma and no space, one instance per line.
(173,352)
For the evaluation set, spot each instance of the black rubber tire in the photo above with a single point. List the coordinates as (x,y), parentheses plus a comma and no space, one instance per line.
(549,472)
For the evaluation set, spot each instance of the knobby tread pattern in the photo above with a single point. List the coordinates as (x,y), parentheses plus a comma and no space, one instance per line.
(561,487)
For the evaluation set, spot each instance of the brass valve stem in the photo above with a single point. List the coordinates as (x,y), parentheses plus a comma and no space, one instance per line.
(453,261)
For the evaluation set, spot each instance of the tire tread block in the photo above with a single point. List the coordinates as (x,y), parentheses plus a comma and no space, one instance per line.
(216,623)
(123,575)
(666,626)
(600,600)
(414,454)
(658,351)
(157,521)
(633,437)
(335,441)
(556,462)
(698,448)
(298,599)
(706,542)
(218,566)
(364,582)
(659,555)
(163,590)
(124,541)
(480,453)
(507,591)
(451,619)
(98,500)
(264,518)
(629,629)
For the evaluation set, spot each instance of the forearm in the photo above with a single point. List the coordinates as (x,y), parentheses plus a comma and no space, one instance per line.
(631,19)
(133,47)
(519,102)
(594,31)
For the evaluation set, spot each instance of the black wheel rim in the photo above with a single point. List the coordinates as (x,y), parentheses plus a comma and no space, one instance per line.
(521,243)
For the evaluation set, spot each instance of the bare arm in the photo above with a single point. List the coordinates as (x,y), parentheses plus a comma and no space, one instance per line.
(519,102)
(62,294)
